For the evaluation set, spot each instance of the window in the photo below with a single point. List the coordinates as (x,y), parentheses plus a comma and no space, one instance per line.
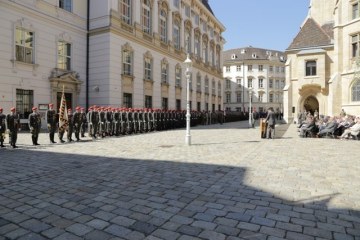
(310,68)
(197,19)
(277,69)
(250,82)
(24,102)
(187,10)
(146,16)
(212,56)
(127,62)
(238,81)
(24,41)
(187,41)
(227,69)
(164,103)
(164,72)
(206,85)
(271,69)
(176,3)
(355,43)
(261,68)
(204,26)
(238,97)
(228,97)
(125,11)
(238,68)
(148,101)
(277,84)
(128,100)
(176,35)
(282,84)
(198,106)
(178,104)
(163,26)
(355,96)
(271,97)
(191,82)
(228,84)
(271,83)
(177,76)
(249,68)
(355,10)
(261,82)
(66,5)
(205,51)
(260,97)
(282,69)
(64,55)
(198,83)
(148,69)
(213,87)
(219,89)
(197,45)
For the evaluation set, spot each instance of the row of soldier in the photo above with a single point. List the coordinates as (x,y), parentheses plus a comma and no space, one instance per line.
(103,121)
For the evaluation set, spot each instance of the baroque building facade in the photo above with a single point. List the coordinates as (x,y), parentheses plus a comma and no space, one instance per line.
(322,68)
(124,53)
(254,73)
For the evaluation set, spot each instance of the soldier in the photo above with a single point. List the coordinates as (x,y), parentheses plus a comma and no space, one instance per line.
(83,121)
(51,119)
(94,119)
(13,125)
(71,126)
(90,126)
(2,127)
(34,125)
(116,123)
(76,123)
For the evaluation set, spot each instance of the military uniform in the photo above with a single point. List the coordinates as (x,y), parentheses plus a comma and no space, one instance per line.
(51,120)
(13,125)
(83,118)
(2,127)
(76,123)
(70,127)
(94,118)
(35,125)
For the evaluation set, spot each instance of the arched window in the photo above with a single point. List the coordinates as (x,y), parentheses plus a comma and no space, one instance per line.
(127,60)
(355,91)
(197,45)
(148,63)
(146,16)
(176,34)
(163,25)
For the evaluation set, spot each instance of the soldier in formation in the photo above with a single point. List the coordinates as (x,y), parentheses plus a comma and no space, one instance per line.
(13,126)
(52,119)
(34,125)
(2,127)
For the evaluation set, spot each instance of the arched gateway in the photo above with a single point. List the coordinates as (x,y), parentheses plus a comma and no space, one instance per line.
(311,104)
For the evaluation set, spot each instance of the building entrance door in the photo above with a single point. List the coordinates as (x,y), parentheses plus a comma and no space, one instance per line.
(311,104)
(68,97)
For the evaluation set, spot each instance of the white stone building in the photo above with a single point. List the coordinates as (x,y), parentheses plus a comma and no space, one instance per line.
(256,72)
(323,61)
(124,53)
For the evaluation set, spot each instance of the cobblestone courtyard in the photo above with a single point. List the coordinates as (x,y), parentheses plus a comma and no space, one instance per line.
(229,184)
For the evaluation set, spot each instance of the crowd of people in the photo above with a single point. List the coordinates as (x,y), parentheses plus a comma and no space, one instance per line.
(344,126)
(100,122)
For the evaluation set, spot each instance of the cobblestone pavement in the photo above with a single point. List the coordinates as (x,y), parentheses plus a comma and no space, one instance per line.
(229,184)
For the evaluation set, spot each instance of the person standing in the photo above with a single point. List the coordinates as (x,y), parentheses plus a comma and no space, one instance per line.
(83,121)
(13,125)
(94,118)
(270,120)
(51,120)
(76,122)
(2,127)
(35,125)
(70,128)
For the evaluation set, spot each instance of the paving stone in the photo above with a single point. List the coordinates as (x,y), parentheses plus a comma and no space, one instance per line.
(227,230)
(289,227)
(79,229)
(35,225)
(212,235)
(97,235)
(53,232)
(98,224)
(272,231)
(143,227)
(165,234)
(249,226)
(123,221)
(117,230)
(298,236)
(16,233)
(317,232)
(67,236)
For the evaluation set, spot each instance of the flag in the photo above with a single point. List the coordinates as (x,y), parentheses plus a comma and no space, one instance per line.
(63,116)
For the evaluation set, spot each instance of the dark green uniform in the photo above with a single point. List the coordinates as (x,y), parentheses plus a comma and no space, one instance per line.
(35,126)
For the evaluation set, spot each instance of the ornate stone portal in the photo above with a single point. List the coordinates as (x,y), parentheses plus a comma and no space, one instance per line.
(67,80)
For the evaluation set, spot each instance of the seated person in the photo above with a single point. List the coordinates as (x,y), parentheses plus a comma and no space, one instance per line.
(308,126)
(330,127)
(353,130)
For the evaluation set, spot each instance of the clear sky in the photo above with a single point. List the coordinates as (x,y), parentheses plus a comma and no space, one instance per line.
(269,24)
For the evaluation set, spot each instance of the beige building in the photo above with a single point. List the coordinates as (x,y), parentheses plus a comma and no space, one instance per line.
(322,68)
(254,73)
(123,53)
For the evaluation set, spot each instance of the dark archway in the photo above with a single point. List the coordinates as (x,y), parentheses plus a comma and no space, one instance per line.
(311,104)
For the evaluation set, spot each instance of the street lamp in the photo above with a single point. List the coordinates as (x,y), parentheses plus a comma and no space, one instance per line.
(188,63)
(250,108)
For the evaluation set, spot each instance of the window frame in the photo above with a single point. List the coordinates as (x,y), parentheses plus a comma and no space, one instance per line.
(66,58)
(67,5)
(23,48)
(355,91)
(146,17)
(310,68)
(127,61)
(126,11)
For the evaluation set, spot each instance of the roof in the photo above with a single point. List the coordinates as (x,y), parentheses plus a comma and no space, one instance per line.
(251,53)
(313,35)
(206,4)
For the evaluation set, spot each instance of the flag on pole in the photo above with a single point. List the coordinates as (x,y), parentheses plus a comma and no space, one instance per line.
(63,116)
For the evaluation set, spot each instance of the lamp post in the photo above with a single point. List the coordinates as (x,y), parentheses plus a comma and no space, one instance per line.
(250,108)
(188,63)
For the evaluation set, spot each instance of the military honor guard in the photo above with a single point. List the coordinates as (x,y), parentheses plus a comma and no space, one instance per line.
(51,120)
(77,121)
(83,121)
(2,127)
(13,125)
(70,128)
(35,125)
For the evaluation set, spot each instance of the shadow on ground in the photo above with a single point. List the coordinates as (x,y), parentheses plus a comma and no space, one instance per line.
(69,196)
